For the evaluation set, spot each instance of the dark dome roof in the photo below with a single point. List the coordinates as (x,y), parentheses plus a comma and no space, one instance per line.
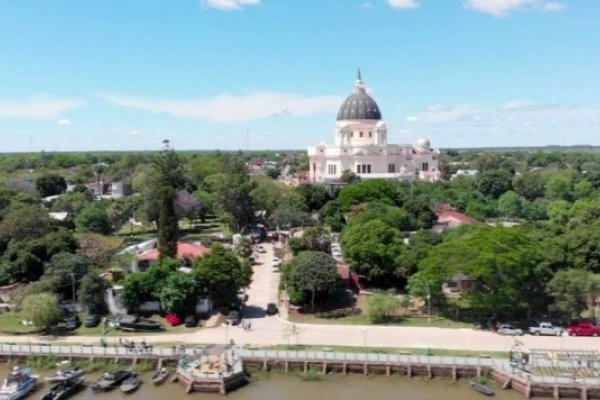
(359,106)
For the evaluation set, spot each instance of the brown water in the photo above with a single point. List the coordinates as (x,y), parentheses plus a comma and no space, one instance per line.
(278,386)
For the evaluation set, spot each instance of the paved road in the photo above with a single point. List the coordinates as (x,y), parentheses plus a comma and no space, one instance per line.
(265,285)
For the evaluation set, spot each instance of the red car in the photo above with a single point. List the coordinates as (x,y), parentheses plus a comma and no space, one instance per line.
(583,329)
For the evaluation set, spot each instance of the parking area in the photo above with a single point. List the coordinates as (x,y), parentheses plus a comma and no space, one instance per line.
(265,284)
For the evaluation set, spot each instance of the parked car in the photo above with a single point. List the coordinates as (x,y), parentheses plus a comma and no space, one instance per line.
(92,320)
(507,329)
(545,328)
(271,309)
(276,263)
(191,321)
(72,322)
(234,317)
(583,329)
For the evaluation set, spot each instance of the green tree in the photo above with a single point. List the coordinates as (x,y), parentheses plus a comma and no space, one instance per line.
(530,185)
(26,223)
(50,185)
(244,248)
(316,239)
(178,293)
(381,306)
(286,217)
(567,289)
(91,294)
(220,274)
(68,268)
(372,249)
(315,196)
(314,273)
(510,205)
(494,183)
(137,288)
(331,215)
(560,187)
(393,216)
(41,309)
(369,191)
(93,218)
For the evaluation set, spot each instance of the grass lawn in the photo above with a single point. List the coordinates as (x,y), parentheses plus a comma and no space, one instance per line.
(10,323)
(393,350)
(363,319)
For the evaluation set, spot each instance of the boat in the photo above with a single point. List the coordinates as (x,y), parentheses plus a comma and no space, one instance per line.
(131,384)
(62,374)
(135,323)
(64,389)
(481,388)
(18,384)
(160,376)
(110,380)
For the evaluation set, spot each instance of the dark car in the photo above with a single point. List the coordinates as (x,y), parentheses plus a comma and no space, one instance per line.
(191,321)
(92,320)
(72,322)
(234,317)
(271,309)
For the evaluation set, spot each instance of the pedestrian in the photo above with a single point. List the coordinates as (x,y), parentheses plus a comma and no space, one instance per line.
(249,325)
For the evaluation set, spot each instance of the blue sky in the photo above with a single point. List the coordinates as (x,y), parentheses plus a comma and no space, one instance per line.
(271,74)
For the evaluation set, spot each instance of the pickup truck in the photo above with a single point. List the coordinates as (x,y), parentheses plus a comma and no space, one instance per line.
(583,329)
(545,328)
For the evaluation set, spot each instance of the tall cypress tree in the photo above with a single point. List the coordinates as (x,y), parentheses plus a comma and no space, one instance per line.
(171,178)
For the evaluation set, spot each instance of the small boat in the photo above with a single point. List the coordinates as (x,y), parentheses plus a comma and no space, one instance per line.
(110,380)
(64,389)
(18,384)
(481,388)
(64,374)
(131,384)
(160,376)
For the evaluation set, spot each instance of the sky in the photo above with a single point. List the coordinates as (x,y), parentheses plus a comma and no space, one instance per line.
(271,74)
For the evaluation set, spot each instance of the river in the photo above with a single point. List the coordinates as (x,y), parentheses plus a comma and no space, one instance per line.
(278,386)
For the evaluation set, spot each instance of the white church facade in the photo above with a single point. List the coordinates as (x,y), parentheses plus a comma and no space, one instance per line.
(361,146)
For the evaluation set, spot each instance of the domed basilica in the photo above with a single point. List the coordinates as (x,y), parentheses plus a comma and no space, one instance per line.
(361,146)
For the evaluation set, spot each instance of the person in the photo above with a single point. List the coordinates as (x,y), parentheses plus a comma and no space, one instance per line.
(249,325)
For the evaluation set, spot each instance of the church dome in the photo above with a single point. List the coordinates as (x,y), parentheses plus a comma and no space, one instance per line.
(359,105)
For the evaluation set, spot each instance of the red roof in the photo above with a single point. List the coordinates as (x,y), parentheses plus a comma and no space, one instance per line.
(184,250)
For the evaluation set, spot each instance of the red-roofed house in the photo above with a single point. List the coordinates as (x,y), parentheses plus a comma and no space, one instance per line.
(450,218)
(185,251)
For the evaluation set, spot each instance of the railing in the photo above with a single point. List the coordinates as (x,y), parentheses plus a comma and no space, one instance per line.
(297,356)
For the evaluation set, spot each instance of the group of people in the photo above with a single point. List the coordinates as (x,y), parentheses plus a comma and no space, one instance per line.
(246,324)
(131,346)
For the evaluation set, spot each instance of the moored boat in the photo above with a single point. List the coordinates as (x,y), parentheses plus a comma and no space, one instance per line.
(18,384)
(110,380)
(131,384)
(65,389)
(160,376)
(64,374)
(481,388)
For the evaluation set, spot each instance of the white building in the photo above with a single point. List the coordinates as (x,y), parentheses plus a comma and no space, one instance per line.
(360,145)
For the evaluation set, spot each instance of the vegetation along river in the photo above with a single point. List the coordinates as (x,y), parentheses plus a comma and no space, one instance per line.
(277,386)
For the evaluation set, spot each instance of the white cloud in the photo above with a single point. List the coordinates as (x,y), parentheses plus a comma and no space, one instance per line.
(500,8)
(512,123)
(403,4)
(40,106)
(64,122)
(228,5)
(232,108)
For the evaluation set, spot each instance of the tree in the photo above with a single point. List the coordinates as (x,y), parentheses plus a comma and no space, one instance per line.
(186,205)
(315,196)
(420,214)
(72,202)
(26,223)
(530,185)
(220,274)
(510,205)
(168,223)
(244,248)
(316,239)
(233,195)
(91,294)
(285,217)
(349,177)
(137,288)
(372,249)
(381,305)
(393,216)
(331,215)
(170,177)
(494,183)
(178,293)
(369,191)
(93,218)
(560,187)
(68,268)
(567,289)
(41,309)
(504,265)
(50,184)
(315,273)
